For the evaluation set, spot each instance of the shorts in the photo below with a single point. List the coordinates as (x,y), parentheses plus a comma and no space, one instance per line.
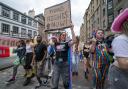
(117,78)
(28,61)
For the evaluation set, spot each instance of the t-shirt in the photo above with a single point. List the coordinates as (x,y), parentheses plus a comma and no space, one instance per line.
(62,51)
(39,51)
(120,46)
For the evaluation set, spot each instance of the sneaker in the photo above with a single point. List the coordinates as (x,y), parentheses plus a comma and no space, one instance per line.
(76,73)
(11,80)
(73,73)
(85,75)
(38,85)
(27,81)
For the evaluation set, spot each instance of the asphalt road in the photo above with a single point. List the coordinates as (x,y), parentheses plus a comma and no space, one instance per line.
(78,81)
(6,62)
(18,84)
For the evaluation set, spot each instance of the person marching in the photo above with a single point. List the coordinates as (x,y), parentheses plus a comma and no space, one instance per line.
(118,71)
(21,51)
(101,60)
(75,60)
(28,61)
(86,51)
(40,53)
(61,66)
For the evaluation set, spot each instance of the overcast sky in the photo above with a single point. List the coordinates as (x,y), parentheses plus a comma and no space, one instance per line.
(78,8)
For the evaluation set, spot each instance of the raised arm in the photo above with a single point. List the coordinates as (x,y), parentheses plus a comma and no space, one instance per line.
(73,35)
(93,45)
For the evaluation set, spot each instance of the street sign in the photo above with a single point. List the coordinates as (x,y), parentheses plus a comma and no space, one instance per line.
(58,17)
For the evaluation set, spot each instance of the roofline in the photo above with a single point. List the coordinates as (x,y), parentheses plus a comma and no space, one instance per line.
(16,10)
(56,5)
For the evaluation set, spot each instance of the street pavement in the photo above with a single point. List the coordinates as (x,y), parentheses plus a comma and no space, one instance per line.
(7,62)
(78,82)
(18,84)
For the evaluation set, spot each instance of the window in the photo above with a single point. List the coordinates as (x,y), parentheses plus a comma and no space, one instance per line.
(98,20)
(97,11)
(104,24)
(0,41)
(30,22)
(97,2)
(23,19)
(23,32)
(15,30)
(104,1)
(110,5)
(5,28)
(35,24)
(15,16)
(110,18)
(8,43)
(35,33)
(5,12)
(104,12)
(30,33)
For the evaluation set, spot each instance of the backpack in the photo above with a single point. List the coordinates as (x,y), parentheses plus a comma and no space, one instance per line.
(51,50)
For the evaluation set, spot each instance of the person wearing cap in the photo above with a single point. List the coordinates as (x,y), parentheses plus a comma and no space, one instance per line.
(118,71)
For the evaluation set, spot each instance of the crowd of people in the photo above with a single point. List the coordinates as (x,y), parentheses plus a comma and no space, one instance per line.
(104,58)
(42,59)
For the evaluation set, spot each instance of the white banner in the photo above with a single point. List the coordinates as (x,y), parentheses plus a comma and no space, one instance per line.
(58,17)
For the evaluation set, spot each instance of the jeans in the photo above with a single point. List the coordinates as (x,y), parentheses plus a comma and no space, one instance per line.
(60,69)
(75,62)
(117,78)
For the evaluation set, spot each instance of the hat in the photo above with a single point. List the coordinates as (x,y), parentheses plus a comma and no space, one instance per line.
(119,20)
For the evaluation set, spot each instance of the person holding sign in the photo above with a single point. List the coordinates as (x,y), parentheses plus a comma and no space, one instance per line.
(61,66)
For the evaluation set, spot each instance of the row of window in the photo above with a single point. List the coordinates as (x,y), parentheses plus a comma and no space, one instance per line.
(6,12)
(15,30)
(7,42)
(110,5)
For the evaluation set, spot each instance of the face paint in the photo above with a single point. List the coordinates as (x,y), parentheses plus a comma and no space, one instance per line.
(99,34)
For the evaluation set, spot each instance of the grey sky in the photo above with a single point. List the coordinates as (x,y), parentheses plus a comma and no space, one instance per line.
(78,8)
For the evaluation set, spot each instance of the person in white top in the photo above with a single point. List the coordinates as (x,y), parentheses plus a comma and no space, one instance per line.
(118,71)
(28,61)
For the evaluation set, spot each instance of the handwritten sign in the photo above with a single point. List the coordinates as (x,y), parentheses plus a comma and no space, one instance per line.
(58,17)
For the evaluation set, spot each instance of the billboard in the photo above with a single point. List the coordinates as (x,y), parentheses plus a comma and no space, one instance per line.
(58,17)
